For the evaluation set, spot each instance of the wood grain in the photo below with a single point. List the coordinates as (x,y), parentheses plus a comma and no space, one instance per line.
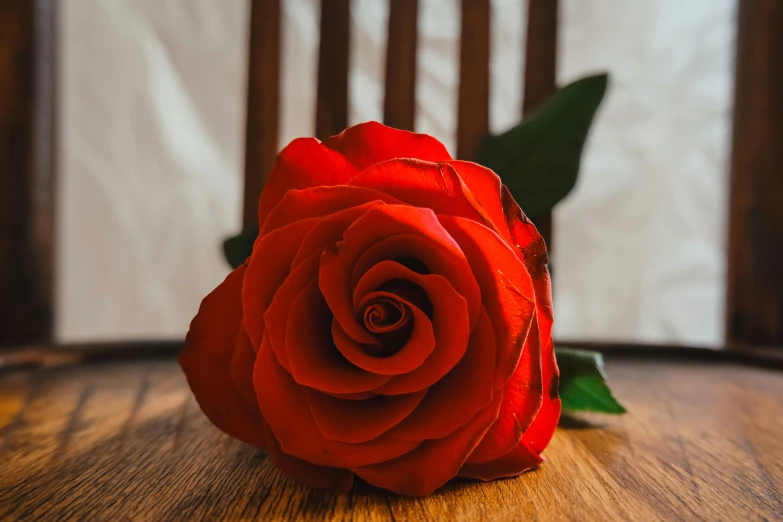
(701,441)
(473,104)
(263,100)
(399,105)
(333,58)
(540,74)
(27,159)
(755,278)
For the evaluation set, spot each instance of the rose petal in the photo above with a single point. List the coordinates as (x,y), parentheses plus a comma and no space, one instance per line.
(305,162)
(531,249)
(543,427)
(506,288)
(486,187)
(369,143)
(206,358)
(325,234)
(358,396)
(515,462)
(276,315)
(304,472)
(449,323)
(431,257)
(319,202)
(419,347)
(466,389)
(522,399)
(329,230)
(424,184)
(359,421)
(283,405)
(241,369)
(268,267)
(523,230)
(434,462)
(315,362)
(432,285)
(375,225)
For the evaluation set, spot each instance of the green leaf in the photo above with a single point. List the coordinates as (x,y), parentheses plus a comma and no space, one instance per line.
(583,382)
(538,160)
(238,248)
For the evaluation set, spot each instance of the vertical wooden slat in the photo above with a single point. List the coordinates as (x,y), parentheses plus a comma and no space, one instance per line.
(755,274)
(399,108)
(27,161)
(540,73)
(332,102)
(263,97)
(540,53)
(473,112)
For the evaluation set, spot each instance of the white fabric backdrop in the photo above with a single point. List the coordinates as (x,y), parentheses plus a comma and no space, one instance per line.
(640,246)
(151,140)
(152,101)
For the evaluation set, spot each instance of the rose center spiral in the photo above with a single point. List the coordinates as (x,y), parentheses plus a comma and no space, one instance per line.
(391,321)
(385,314)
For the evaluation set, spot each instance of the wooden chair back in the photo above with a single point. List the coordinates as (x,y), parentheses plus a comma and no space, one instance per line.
(28,73)
(399,106)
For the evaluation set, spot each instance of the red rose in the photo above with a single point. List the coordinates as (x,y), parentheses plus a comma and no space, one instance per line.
(393,322)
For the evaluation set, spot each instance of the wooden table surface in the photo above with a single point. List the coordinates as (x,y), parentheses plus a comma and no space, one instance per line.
(701,441)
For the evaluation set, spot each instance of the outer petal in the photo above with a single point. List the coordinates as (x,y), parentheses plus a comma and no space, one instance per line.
(277,313)
(241,369)
(369,143)
(206,358)
(486,187)
(540,432)
(532,251)
(520,459)
(434,462)
(283,405)
(522,399)
(329,230)
(268,268)
(319,202)
(304,163)
(359,421)
(507,291)
(304,472)
(423,184)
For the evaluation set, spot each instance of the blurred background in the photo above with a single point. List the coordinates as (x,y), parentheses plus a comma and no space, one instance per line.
(150,130)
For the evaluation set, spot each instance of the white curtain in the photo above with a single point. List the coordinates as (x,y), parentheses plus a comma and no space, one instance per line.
(640,246)
(152,121)
(151,126)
